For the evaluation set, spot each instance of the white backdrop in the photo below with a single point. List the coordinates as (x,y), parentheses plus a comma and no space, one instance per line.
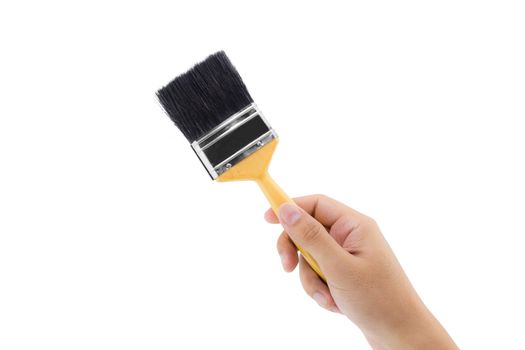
(112,236)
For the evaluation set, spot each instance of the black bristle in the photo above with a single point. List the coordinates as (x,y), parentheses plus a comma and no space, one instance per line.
(203,97)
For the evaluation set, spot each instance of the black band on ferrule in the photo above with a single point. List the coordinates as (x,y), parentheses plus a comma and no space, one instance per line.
(235,140)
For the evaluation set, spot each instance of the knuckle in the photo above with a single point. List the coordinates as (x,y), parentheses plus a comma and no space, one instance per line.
(368,222)
(311,231)
(371,222)
(320,196)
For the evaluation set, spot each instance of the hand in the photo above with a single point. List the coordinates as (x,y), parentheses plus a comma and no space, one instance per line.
(365,281)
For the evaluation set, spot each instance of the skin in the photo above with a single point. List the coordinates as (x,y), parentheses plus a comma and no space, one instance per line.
(365,282)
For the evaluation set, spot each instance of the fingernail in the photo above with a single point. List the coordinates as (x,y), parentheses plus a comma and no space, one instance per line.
(289,214)
(319,298)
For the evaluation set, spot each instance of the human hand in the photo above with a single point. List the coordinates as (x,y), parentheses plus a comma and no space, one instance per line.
(364,280)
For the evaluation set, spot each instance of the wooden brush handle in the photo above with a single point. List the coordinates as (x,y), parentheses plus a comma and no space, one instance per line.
(277,197)
(255,167)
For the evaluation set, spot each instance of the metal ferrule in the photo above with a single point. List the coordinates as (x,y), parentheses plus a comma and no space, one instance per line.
(233,140)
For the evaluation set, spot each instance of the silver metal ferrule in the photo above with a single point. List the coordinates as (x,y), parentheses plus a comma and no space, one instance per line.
(234,139)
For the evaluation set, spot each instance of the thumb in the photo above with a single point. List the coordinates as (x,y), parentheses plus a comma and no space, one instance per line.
(312,236)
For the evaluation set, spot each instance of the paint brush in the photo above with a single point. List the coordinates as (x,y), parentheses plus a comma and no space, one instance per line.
(214,110)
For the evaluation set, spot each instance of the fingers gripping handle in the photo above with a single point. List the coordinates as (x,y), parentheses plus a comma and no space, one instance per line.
(277,197)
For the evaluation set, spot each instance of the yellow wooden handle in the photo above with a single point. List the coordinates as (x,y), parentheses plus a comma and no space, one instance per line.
(277,197)
(255,168)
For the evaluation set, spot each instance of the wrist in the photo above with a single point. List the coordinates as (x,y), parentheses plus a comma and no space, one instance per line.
(419,330)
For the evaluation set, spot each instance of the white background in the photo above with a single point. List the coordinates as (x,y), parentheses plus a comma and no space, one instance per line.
(112,236)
